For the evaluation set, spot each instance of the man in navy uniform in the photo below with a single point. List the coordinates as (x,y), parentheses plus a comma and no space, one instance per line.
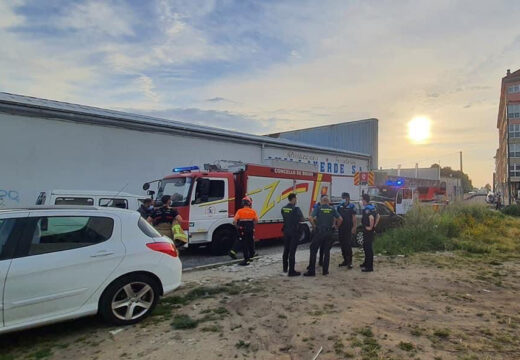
(292,216)
(324,219)
(347,211)
(369,221)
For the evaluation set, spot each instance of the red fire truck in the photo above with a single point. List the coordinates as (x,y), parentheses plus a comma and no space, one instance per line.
(207,200)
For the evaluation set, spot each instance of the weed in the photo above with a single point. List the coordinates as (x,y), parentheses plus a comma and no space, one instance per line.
(406,346)
(338,347)
(282,316)
(442,333)
(241,344)
(212,328)
(416,332)
(41,354)
(181,322)
(367,332)
(6,357)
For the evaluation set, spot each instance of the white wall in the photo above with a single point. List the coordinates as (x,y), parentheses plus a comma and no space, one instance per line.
(40,154)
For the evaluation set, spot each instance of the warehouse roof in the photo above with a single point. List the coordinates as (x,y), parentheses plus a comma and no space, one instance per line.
(19,104)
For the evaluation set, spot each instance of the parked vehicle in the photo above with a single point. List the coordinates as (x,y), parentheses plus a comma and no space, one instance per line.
(90,198)
(388,219)
(59,263)
(207,200)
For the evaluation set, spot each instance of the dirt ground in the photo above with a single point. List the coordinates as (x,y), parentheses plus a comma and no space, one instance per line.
(430,306)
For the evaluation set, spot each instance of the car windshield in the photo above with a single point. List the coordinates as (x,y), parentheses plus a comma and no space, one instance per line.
(177,188)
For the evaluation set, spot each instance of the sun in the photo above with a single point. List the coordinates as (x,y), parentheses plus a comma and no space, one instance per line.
(419,129)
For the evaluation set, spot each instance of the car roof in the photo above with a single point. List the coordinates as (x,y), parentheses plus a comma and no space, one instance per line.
(94,193)
(67,207)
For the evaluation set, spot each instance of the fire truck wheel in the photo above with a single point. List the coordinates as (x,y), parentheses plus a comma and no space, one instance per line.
(223,240)
(358,241)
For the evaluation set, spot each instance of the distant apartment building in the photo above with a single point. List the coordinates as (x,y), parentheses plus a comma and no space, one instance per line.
(507,166)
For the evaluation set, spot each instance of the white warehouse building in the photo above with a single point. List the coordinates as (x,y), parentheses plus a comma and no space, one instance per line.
(47,145)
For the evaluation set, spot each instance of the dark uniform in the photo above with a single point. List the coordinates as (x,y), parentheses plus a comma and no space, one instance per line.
(325,216)
(320,261)
(292,215)
(145,211)
(346,211)
(162,219)
(368,237)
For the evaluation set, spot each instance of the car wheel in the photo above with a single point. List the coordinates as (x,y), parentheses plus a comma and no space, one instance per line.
(129,299)
(359,239)
(223,240)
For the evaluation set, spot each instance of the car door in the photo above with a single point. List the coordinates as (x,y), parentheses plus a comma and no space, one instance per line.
(11,228)
(60,262)
(209,204)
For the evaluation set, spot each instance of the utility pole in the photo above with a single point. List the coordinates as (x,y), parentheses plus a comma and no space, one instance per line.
(460,153)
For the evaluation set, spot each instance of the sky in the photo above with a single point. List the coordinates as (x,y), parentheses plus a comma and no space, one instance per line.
(267,66)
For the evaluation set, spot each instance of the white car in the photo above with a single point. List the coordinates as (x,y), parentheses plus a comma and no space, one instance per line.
(59,263)
(115,199)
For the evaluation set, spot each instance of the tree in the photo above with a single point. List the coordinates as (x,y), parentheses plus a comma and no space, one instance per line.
(447,171)
(487,187)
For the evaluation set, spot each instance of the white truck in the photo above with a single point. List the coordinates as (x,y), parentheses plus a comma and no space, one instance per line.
(90,198)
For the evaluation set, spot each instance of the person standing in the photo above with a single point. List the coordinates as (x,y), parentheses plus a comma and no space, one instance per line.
(292,216)
(324,219)
(347,211)
(245,220)
(165,217)
(146,208)
(369,220)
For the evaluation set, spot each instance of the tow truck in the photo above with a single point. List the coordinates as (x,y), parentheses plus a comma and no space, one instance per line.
(207,199)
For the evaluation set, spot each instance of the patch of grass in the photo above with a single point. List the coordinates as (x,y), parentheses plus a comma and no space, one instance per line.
(212,328)
(367,332)
(406,346)
(475,230)
(442,333)
(416,332)
(282,316)
(41,354)
(7,357)
(182,322)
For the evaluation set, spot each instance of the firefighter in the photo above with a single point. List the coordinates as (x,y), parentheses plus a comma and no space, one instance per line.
(165,217)
(292,216)
(369,221)
(324,219)
(347,211)
(245,220)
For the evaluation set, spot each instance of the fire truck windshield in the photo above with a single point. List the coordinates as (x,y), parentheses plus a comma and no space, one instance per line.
(177,188)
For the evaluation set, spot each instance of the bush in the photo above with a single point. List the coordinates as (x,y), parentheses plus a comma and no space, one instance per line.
(511,210)
(475,229)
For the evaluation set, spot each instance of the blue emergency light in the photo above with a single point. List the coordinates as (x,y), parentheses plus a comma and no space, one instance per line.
(185,168)
(398,182)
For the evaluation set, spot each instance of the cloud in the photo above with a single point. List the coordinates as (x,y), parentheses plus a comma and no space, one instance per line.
(220,119)
(8,16)
(98,17)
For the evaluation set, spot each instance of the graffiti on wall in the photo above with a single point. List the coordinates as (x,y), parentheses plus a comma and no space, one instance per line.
(7,197)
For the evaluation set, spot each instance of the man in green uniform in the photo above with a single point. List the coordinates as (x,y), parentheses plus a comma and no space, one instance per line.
(324,219)
(292,216)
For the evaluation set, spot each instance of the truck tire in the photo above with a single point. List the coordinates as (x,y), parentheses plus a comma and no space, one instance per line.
(223,240)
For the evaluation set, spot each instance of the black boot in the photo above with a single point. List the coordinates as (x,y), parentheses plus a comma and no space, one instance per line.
(294,273)
(309,273)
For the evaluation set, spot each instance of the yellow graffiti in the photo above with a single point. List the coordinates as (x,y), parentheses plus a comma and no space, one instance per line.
(317,188)
(268,204)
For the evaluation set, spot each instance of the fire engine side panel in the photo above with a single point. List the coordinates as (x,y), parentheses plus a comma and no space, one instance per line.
(269,195)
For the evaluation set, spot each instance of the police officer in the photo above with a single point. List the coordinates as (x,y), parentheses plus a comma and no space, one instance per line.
(369,220)
(292,216)
(245,220)
(347,211)
(324,219)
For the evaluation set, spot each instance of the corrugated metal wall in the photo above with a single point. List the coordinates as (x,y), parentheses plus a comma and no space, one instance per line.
(359,136)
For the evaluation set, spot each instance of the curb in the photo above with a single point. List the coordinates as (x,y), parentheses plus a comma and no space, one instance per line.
(214,265)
